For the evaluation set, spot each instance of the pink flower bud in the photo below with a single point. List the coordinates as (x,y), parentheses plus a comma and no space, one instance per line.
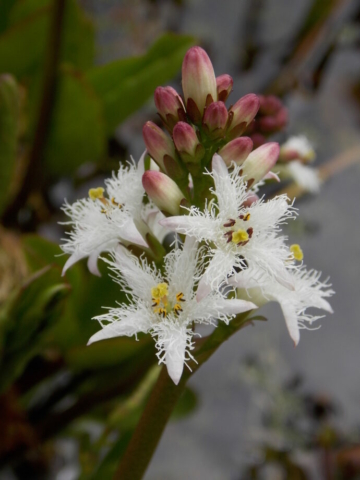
(198,82)
(258,139)
(224,84)
(158,143)
(185,138)
(243,113)
(269,104)
(236,151)
(260,162)
(270,124)
(163,191)
(169,105)
(215,117)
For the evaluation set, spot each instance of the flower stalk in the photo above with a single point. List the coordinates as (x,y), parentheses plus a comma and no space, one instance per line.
(162,401)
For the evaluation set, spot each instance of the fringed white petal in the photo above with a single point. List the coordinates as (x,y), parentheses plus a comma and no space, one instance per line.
(291,320)
(93,263)
(75,257)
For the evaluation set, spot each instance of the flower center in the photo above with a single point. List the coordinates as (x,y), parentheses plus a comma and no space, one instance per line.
(235,231)
(109,205)
(161,304)
(239,236)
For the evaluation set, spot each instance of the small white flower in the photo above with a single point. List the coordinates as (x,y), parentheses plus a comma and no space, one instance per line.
(308,292)
(297,148)
(164,305)
(237,234)
(101,221)
(304,176)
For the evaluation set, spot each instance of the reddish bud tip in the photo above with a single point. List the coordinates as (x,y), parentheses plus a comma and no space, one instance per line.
(157,143)
(198,78)
(169,104)
(236,151)
(215,116)
(224,84)
(245,109)
(163,191)
(260,162)
(185,138)
(269,104)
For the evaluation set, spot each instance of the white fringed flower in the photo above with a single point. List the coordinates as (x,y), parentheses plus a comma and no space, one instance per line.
(297,147)
(165,305)
(101,221)
(237,234)
(308,292)
(304,176)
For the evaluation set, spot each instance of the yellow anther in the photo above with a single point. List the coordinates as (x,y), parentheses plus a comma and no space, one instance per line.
(161,290)
(95,193)
(240,236)
(297,252)
(156,302)
(161,311)
(246,217)
(180,297)
(177,309)
(115,203)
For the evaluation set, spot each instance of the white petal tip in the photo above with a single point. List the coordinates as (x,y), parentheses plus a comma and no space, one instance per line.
(175,372)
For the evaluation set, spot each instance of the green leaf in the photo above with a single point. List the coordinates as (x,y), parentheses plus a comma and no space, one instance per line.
(77,128)
(9,117)
(5,8)
(124,85)
(25,318)
(111,460)
(23,45)
(105,353)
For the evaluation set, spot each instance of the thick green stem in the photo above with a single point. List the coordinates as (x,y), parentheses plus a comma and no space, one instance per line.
(148,432)
(162,401)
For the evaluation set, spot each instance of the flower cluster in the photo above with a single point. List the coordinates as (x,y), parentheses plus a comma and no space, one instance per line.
(200,185)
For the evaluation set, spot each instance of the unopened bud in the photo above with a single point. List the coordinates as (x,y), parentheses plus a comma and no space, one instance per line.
(236,151)
(258,139)
(198,82)
(243,112)
(270,124)
(297,148)
(163,191)
(158,143)
(269,104)
(169,105)
(215,119)
(260,162)
(224,84)
(187,143)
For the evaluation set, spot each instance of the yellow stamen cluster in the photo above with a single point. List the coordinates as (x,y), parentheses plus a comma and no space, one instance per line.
(240,236)
(297,252)
(161,305)
(95,193)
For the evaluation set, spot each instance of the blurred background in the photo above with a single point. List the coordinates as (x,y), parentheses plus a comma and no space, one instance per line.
(76,85)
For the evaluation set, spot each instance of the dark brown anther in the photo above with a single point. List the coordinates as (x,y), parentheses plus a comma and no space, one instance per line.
(242,244)
(250,231)
(230,223)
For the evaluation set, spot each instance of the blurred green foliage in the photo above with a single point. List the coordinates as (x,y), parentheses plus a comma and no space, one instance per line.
(45,322)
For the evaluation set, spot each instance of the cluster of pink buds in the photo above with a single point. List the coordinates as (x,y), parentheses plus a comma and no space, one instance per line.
(271,118)
(200,124)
